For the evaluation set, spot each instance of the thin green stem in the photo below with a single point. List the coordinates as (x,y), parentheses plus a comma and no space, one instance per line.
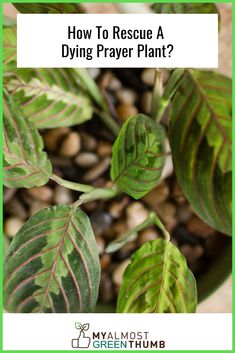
(71,185)
(109,122)
(131,234)
(157,94)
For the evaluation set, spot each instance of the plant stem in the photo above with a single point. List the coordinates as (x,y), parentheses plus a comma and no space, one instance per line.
(89,84)
(108,121)
(97,194)
(71,185)
(131,234)
(157,94)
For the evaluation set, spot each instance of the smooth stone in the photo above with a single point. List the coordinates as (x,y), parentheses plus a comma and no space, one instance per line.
(119,271)
(12,225)
(199,228)
(192,253)
(94,72)
(158,195)
(37,206)
(146,102)
(124,111)
(100,244)
(96,171)
(71,145)
(104,149)
(53,137)
(126,96)
(62,195)
(116,208)
(136,214)
(105,261)
(147,234)
(41,193)
(89,143)
(148,76)
(86,159)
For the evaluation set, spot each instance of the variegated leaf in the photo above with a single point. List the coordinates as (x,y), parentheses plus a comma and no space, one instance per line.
(50,97)
(24,163)
(49,8)
(157,281)
(138,156)
(200,134)
(52,264)
(9,48)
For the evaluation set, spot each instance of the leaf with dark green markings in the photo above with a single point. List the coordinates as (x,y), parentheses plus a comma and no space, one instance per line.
(201,142)
(50,97)
(9,48)
(138,156)
(157,281)
(49,8)
(25,164)
(52,264)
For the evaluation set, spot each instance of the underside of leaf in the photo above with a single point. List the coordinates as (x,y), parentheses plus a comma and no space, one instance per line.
(52,264)
(157,281)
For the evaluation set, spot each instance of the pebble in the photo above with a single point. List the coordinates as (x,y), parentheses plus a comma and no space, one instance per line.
(119,271)
(104,149)
(106,288)
(89,143)
(94,72)
(53,137)
(136,214)
(16,208)
(199,228)
(100,245)
(62,195)
(177,193)
(8,194)
(105,261)
(96,171)
(167,212)
(147,235)
(146,102)
(71,145)
(12,225)
(192,253)
(184,213)
(41,193)
(114,83)
(124,111)
(116,208)
(37,206)
(100,221)
(148,76)
(126,96)
(157,195)
(86,159)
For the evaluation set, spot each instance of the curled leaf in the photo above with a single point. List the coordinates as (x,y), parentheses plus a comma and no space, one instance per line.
(138,156)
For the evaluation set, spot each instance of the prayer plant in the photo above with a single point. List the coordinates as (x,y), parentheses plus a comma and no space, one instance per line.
(52,264)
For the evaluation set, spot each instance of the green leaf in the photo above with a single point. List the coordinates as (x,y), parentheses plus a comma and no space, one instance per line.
(157,281)
(201,142)
(52,264)
(138,156)
(185,8)
(49,8)
(50,97)
(9,48)
(25,163)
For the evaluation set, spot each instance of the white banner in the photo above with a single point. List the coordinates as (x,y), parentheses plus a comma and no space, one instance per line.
(117,331)
(117,40)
